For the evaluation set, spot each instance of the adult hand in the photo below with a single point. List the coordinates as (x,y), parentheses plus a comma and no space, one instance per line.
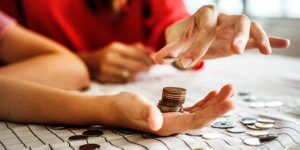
(118,62)
(135,112)
(209,34)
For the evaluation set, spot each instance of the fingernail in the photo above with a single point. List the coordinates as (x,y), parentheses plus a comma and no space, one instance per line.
(186,62)
(240,44)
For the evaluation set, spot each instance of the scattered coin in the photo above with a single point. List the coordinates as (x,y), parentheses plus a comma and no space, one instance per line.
(89,147)
(252,126)
(172,99)
(58,127)
(170,59)
(243,93)
(78,137)
(195,133)
(265,120)
(252,141)
(211,136)
(257,133)
(223,124)
(257,104)
(267,137)
(93,133)
(236,130)
(206,148)
(248,120)
(249,98)
(264,125)
(274,103)
(229,113)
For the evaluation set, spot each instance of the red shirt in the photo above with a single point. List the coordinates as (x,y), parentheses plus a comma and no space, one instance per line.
(73,24)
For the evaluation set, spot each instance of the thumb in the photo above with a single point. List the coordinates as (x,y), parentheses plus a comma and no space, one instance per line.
(154,118)
(172,50)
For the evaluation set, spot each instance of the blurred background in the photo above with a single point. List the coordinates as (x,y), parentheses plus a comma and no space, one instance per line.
(278,17)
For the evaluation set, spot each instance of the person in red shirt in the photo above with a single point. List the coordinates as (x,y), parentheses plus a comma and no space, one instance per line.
(30,93)
(114,37)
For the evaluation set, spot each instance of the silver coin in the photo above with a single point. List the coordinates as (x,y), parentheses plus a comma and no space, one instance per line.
(249,98)
(236,130)
(257,104)
(223,124)
(261,120)
(243,93)
(195,133)
(257,133)
(252,141)
(211,136)
(248,120)
(274,103)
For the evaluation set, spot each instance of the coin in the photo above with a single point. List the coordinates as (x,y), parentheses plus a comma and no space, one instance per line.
(243,93)
(170,59)
(205,148)
(223,124)
(252,126)
(274,103)
(267,137)
(78,137)
(236,130)
(264,125)
(211,136)
(248,120)
(249,98)
(257,133)
(93,133)
(195,133)
(89,147)
(257,104)
(252,141)
(58,127)
(265,120)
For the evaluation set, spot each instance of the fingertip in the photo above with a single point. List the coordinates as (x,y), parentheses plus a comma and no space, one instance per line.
(226,92)
(237,47)
(155,118)
(265,48)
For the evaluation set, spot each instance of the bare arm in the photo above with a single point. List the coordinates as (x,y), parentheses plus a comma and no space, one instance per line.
(28,102)
(30,56)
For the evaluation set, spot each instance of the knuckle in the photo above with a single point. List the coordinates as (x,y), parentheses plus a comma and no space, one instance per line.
(209,7)
(243,18)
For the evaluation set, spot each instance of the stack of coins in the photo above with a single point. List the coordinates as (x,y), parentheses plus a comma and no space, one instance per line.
(172,99)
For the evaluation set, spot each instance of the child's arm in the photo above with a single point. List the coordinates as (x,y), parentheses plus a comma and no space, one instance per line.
(30,56)
(27,102)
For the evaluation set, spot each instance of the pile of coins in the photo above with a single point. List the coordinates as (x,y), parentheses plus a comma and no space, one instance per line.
(172,99)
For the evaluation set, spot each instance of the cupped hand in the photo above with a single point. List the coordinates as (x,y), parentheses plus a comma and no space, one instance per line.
(118,62)
(137,113)
(209,34)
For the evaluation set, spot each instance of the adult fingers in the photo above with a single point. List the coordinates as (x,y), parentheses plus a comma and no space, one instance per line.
(202,34)
(133,65)
(133,52)
(261,38)
(241,34)
(274,41)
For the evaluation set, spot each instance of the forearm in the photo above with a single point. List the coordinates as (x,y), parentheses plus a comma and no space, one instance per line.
(53,69)
(27,102)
